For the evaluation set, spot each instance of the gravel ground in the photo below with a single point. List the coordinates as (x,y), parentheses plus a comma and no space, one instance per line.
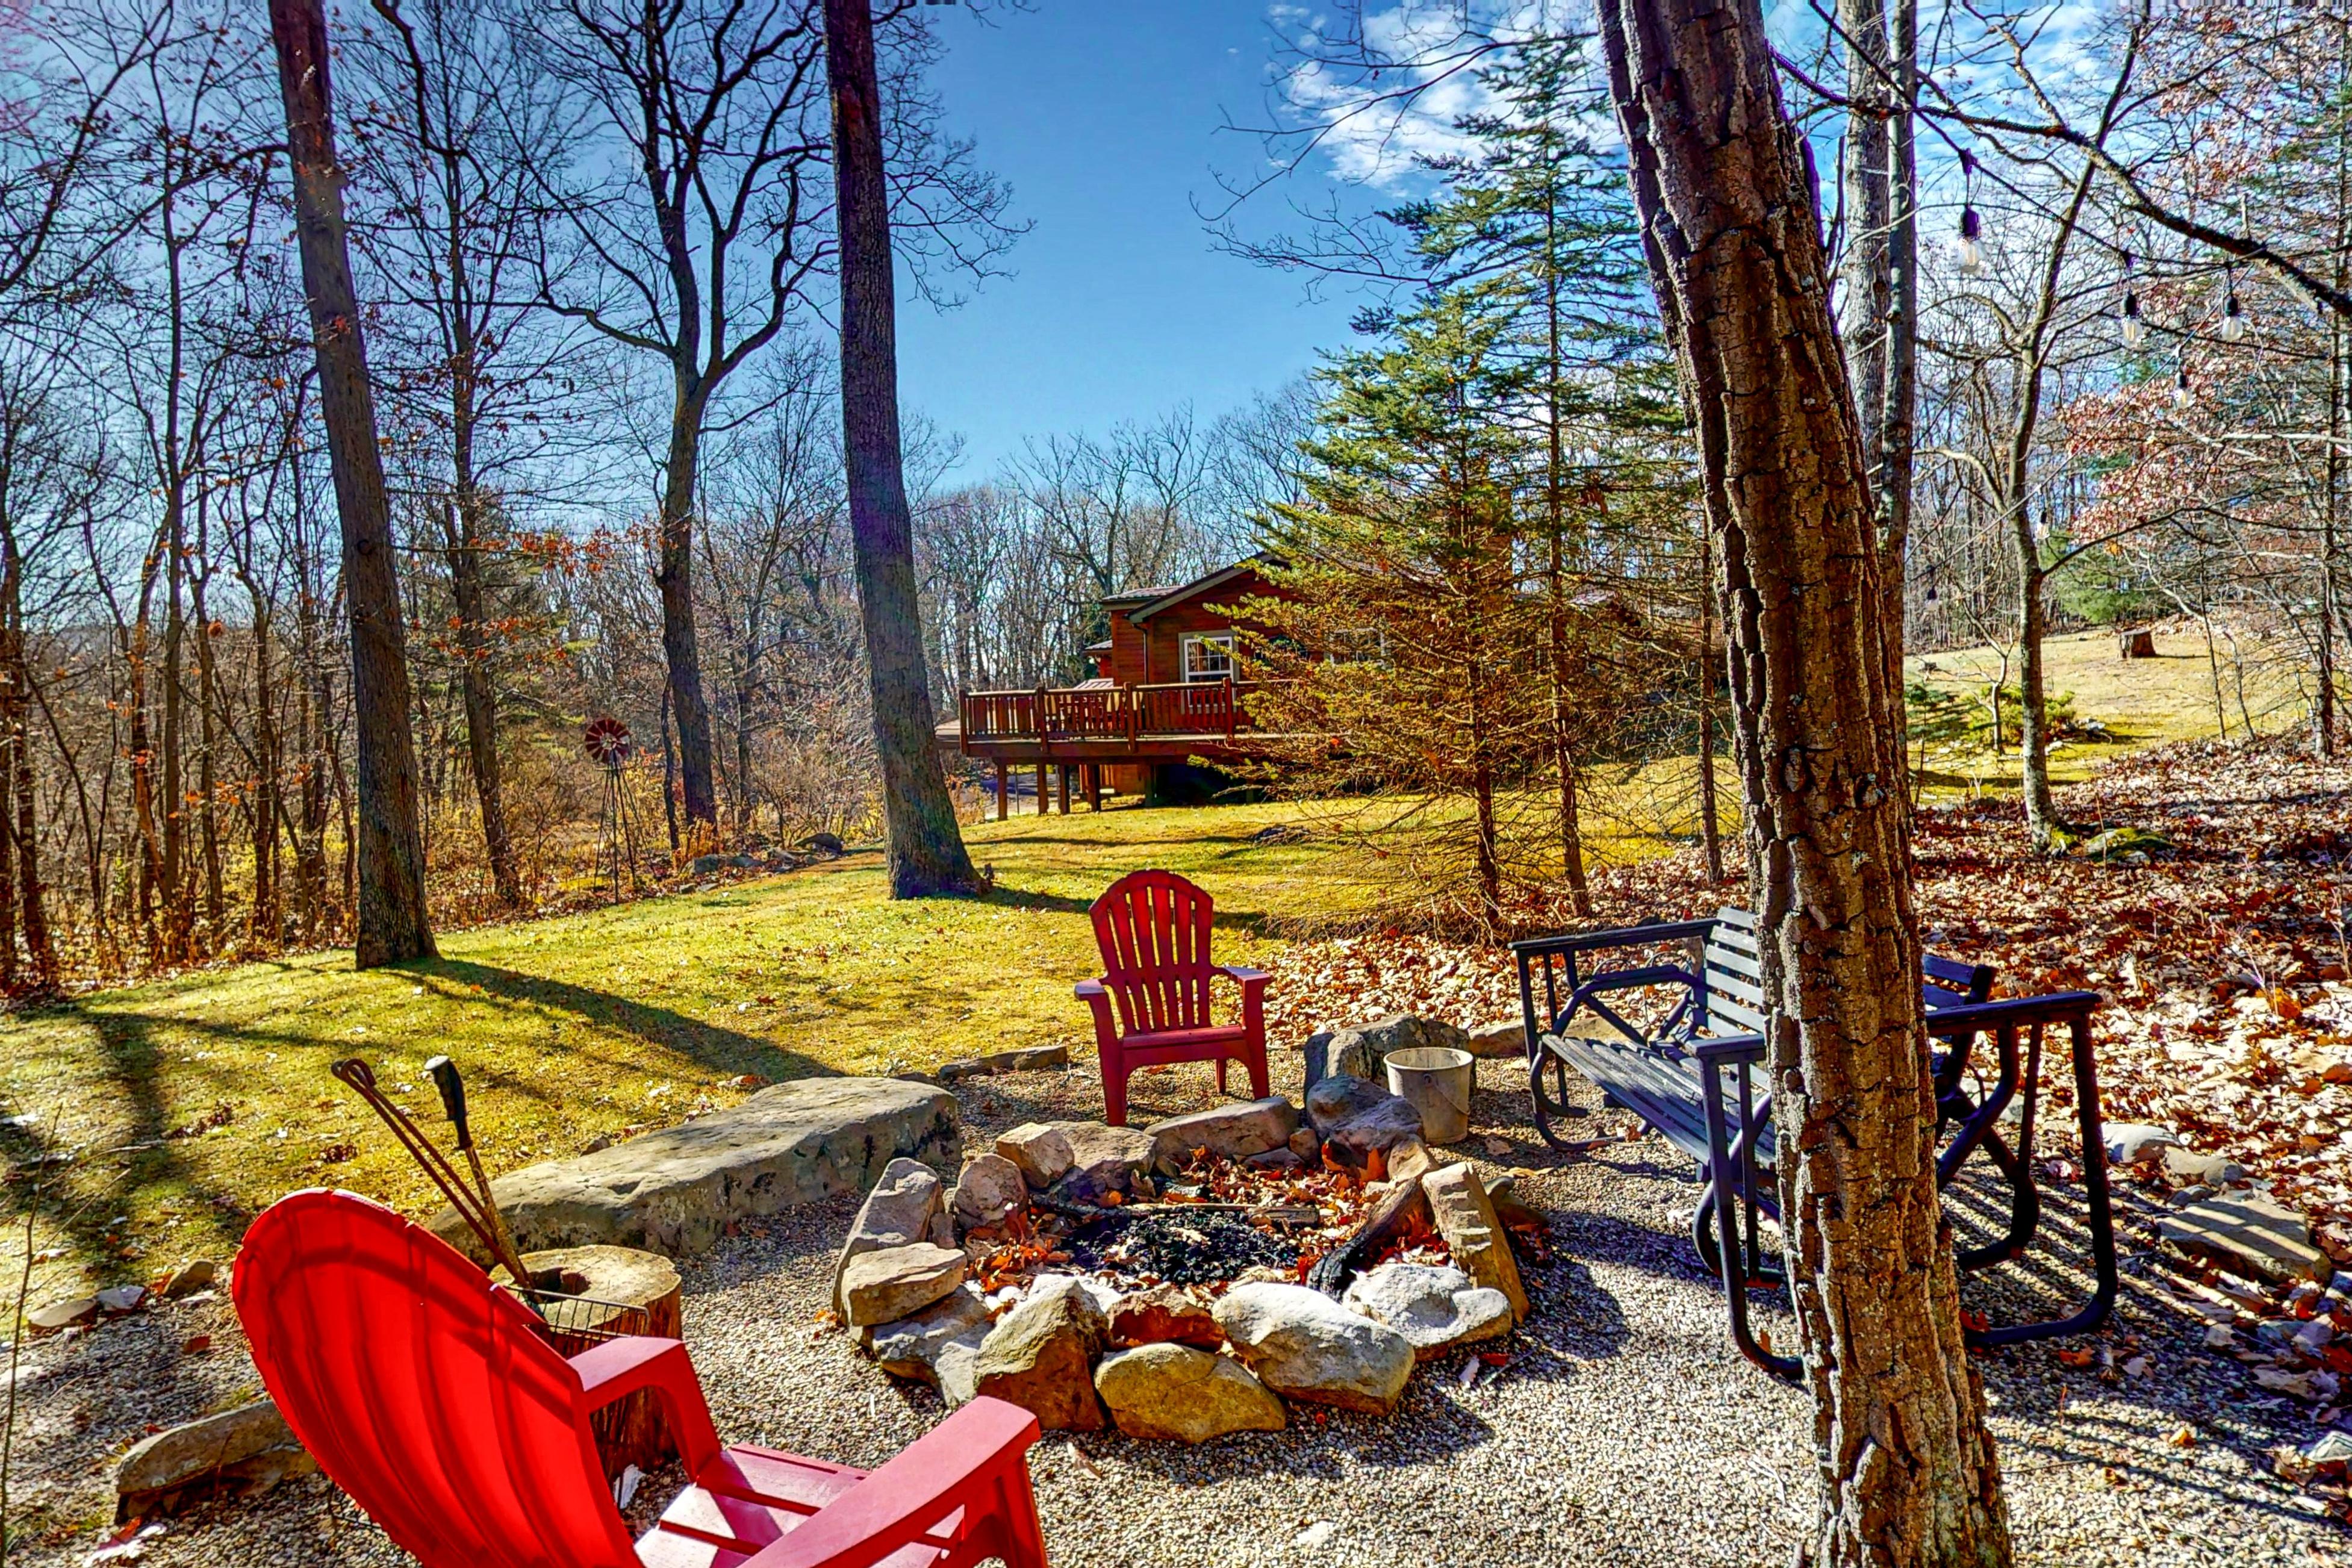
(1625,1429)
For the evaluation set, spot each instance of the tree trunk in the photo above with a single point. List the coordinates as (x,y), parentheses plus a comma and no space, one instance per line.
(1899,425)
(468,599)
(1908,1472)
(2041,823)
(674,576)
(391,919)
(1710,829)
(927,852)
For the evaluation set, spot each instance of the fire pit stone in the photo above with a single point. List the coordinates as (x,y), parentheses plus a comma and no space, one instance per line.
(1040,1355)
(899,1212)
(1043,1152)
(1228,1131)
(1433,1307)
(990,1189)
(1304,1346)
(912,1346)
(1464,1216)
(897,1282)
(1164,1314)
(1176,1393)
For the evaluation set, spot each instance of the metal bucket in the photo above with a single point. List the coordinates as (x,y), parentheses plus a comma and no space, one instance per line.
(1435,1079)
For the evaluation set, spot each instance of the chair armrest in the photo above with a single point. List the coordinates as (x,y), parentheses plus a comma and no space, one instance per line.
(638,1362)
(1619,936)
(1234,972)
(931,1476)
(1090,991)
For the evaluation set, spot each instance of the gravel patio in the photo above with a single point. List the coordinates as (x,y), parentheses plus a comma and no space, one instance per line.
(1623,1430)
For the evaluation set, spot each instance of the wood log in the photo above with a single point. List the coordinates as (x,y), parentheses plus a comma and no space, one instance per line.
(1404,1204)
(591,1294)
(2138,643)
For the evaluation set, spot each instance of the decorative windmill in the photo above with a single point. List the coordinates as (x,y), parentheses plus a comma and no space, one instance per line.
(607,741)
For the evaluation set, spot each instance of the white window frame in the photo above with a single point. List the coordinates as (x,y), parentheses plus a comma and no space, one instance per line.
(1193,640)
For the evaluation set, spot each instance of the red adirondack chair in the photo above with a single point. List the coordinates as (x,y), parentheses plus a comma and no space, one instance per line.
(426,1393)
(1153,929)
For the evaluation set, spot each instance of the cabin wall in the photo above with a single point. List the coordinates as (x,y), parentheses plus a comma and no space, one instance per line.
(1128,659)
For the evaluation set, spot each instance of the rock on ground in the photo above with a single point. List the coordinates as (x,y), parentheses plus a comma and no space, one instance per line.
(1176,1393)
(1505,1040)
(1304,1346)
(899,1212)
(1103,1160)
(2250,1233)
(2131,1143)
(1360,1050)
(1164,1313)
(1228,1131)
(1435,1308)
(250,1446)
(897,1282)
(1464,1216)
(675,1191)
(1043,1152)
(989,1190)
(1040,1356)
(912,1346)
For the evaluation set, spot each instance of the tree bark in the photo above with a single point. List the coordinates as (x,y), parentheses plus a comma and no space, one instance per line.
(1710,827)
(392,923)
(674,576)
(927,852)
(1908,1472)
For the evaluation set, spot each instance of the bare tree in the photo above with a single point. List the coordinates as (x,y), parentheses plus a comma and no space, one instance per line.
(394,925)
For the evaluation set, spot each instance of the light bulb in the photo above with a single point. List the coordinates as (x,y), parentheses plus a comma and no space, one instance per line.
(2233,323)
(2134,329)
(2181,396)
(1971,253)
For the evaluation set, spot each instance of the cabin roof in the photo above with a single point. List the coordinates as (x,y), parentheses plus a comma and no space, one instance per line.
(1168,598)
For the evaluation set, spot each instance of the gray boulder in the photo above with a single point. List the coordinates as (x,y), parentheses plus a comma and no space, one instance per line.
(1103,1160)
(1505,1040)
(1228,1131)
(1043,1152)
(249,1448)
(2130,1143)
(1304,1346)
(912,1346)
(1339,1098)
(1435,1309)
(675,1191)
(1394,1121)
(902,1209)
(1176,1393)
(1361,1050)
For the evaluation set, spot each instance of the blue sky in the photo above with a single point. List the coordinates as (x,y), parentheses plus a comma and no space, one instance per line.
(1105,119)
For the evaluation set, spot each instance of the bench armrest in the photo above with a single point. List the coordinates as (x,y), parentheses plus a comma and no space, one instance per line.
(638,1362)
(1727,1048)
(1619,936)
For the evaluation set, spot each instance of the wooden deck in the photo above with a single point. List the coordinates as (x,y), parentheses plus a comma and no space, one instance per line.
(1085,728)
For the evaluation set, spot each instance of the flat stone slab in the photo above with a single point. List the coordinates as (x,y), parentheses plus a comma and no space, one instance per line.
(675,1191)
(2248,1233)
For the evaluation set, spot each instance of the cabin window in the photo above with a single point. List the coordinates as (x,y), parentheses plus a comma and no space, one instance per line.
(1209,656)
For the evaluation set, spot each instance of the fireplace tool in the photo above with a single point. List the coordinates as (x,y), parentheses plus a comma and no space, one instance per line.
(473,1202)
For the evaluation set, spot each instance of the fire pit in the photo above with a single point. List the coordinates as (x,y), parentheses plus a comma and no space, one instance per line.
(1188,1280)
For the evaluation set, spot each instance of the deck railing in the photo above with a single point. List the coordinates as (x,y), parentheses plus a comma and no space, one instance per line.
(1208,708)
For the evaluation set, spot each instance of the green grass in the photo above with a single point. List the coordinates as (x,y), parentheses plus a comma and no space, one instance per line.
(588,1024)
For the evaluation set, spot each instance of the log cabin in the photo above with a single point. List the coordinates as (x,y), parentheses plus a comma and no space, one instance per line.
(1163,697)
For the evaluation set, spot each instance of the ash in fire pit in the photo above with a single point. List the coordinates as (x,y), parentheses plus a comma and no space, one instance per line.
(1181,1246)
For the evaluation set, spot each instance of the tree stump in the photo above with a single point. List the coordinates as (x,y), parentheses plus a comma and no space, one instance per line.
(592,1294)
(2139,643)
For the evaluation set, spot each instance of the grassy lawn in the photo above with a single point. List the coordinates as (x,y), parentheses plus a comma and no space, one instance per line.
(158,1119)
(170,1112)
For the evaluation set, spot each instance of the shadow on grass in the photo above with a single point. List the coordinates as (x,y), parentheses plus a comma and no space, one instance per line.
(727,1052)
(1257,925)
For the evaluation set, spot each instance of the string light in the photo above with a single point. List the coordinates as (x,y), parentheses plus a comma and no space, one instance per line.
(2134,329)
(1972,251)
(2233,321)
(2181,395)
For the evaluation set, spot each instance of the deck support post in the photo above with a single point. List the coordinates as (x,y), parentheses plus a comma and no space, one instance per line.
(1003,789)
(1044,794)
(1094,786)
(1062,788)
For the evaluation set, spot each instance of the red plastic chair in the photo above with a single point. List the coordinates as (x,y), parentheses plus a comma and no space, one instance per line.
(1153,929)
(426,1393)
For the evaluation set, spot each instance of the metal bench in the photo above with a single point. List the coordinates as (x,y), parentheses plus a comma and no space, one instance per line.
(1698,1078)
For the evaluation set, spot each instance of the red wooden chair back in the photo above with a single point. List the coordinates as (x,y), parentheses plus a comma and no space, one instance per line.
(1153,927)
(423,1390)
